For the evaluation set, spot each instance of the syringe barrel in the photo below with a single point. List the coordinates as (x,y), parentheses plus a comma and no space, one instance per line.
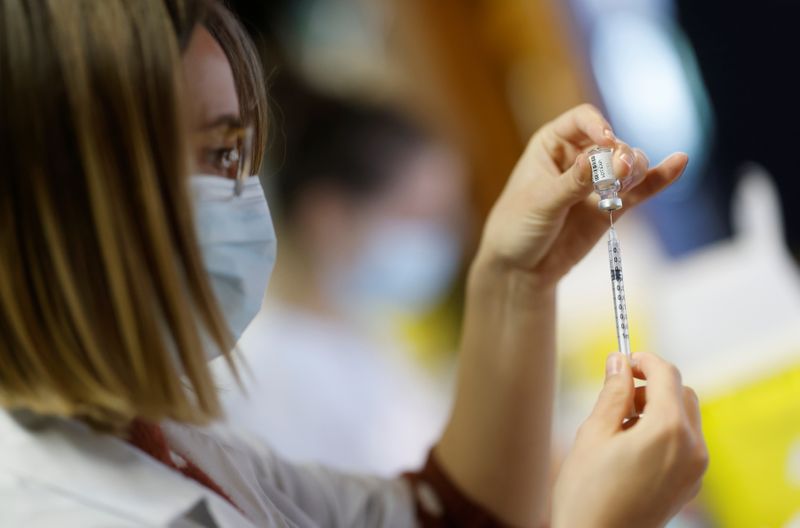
(618,293)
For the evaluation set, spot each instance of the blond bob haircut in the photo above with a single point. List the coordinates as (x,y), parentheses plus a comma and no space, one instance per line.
(241,52)
(106,312)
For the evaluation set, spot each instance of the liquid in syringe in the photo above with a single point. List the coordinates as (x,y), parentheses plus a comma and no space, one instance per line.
(618,292)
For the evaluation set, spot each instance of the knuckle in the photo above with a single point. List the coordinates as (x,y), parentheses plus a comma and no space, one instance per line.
(693,454)
(621,146)
(675,373)
(674,428)
(616,388)
(540,136)
(700,459)
(585,430)
(694,491)
(588,108)
(644,356)
(690,397)
(580,174)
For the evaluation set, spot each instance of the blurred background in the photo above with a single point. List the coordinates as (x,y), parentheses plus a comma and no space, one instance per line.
(395,124)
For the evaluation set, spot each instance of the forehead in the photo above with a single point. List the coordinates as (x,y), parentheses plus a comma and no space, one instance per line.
(210,88)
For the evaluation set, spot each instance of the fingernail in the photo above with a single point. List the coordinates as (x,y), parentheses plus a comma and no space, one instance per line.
(609,134)
(613,364)
(627,159)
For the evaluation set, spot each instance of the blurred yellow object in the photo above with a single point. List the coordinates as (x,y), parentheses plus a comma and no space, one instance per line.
(753,436)
(584,353)
(431,337)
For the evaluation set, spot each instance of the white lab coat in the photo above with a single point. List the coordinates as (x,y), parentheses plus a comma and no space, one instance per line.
(59,473)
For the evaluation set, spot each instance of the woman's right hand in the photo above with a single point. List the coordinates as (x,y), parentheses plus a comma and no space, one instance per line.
(546,220)
(638,475)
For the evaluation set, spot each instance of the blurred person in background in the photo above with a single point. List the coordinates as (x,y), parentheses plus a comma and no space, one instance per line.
(107,319)
(371,214)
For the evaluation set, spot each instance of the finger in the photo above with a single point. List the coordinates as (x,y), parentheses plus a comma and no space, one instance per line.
(640,399)
(615,401)
(574,130)
(637,173)
(694,490)
(631,167)
(583,227)
(657,179)
(691,405)
(664,385)
(585,224)
(630,422)
(571,187)
(582,126)
(623,161)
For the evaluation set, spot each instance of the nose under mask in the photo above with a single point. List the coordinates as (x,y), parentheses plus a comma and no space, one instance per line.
(238,243)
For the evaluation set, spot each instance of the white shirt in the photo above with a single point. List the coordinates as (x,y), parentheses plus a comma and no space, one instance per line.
(59,473)
(330,392)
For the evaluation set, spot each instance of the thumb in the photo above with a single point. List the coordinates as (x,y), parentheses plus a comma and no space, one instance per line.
(572,186)
(615,401)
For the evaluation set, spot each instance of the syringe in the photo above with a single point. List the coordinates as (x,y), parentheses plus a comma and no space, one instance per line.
(607,186)
(618,292)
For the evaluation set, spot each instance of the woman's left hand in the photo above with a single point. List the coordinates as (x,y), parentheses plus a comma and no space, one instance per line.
(547,219)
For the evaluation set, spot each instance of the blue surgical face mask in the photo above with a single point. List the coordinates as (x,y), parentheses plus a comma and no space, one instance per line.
(237,240)
(403,265)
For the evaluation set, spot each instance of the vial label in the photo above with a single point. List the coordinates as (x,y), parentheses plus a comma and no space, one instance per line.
(600,161)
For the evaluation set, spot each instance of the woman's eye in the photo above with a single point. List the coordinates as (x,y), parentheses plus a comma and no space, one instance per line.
(225,160)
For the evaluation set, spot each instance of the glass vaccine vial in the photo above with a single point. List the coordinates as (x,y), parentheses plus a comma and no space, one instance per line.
(605,183)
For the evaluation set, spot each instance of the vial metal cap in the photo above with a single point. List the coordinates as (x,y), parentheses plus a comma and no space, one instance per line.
(610,204)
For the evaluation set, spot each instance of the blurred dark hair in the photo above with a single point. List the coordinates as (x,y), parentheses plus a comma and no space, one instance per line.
(347,146)
(248,72)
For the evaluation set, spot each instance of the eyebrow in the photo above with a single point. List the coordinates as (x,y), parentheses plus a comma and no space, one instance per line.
(227,120)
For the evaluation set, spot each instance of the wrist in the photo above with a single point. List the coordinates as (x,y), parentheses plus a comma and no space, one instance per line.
(570,521)
(491,276)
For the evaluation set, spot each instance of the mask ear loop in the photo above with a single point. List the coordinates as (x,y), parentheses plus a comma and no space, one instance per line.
(245,160)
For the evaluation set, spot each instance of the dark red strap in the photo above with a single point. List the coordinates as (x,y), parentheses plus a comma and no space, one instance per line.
(441,504)
(151,439)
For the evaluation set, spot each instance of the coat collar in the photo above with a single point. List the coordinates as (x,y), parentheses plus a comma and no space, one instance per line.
(102,471)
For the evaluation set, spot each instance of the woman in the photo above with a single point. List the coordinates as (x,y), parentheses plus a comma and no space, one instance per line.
(110,305)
